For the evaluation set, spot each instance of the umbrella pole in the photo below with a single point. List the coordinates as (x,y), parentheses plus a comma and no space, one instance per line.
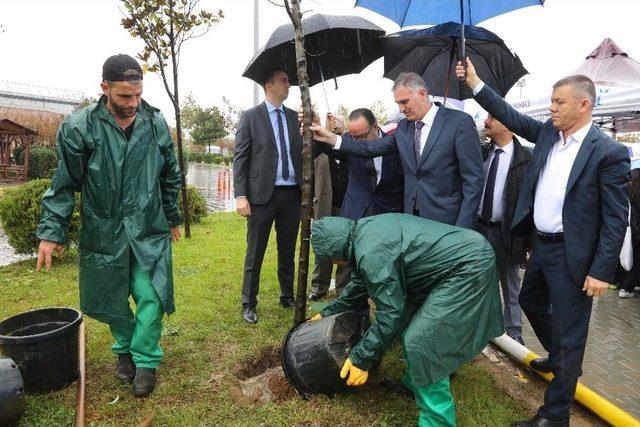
(324,89)
(464,53)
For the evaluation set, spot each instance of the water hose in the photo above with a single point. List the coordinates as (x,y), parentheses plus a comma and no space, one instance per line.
(597,404)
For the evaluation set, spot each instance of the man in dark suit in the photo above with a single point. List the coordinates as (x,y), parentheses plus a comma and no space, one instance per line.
(575,195)
(374,186)
(506,162)
(267,172)
(439,150)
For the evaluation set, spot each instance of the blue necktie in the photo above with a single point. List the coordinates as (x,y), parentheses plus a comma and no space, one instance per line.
(416,140)
(487,205)
(284,155)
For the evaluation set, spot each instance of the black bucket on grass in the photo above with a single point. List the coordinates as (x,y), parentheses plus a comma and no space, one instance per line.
(313,352)
(44,345)
(12,401)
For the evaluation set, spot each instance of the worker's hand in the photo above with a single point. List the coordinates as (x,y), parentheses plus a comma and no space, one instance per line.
(472,78)
(175,234)
(357,376)
(595,287)
(314,318)
(243,207)
(45,253)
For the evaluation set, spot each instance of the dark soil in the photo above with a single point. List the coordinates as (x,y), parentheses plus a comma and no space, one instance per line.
(260,379)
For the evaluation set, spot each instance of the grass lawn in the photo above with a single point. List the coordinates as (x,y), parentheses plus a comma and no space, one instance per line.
(205,341)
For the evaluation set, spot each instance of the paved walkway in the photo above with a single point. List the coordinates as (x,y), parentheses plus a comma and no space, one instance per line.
(7,254)
(612,362)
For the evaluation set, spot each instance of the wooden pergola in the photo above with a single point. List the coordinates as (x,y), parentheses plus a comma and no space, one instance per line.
(12,136)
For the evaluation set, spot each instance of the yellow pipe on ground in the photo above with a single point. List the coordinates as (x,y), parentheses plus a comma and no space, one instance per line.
(597,404)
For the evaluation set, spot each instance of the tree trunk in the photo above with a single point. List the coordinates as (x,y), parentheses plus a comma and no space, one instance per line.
(307,164)
(176,107)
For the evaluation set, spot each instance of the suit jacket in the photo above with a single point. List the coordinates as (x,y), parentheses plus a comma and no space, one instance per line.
(516,245)
(386,196)
(445,184)
(322,187)
(255,156)
(594,214)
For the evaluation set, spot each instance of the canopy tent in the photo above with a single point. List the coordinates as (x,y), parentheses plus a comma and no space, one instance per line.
(609,65)
(617,79)
(12,136)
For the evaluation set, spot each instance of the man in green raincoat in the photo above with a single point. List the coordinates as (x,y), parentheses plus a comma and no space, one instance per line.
(433,283)
(119,155)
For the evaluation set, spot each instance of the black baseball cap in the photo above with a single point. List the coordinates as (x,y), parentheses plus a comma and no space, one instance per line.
(121,68)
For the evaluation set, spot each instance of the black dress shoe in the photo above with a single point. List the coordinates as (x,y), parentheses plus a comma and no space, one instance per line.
(145,382)
(315,297)
(249,315)
(539,421)
(287,302)
(541,364)
(125,368)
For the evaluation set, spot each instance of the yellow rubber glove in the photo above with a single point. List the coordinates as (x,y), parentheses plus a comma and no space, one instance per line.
(314,318)
(357,376)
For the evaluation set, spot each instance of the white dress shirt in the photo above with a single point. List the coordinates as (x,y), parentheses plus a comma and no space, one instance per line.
(377,162)
(501,180)
(552,182)
(428,124)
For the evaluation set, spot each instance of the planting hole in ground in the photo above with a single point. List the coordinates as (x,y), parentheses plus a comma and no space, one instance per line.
(260,379)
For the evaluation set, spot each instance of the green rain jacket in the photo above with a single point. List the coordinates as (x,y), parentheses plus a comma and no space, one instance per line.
(436,284)
(129,198)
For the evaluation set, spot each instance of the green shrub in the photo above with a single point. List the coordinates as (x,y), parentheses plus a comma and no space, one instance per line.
(42,161)
(196,204)
(208,158)
(20,215)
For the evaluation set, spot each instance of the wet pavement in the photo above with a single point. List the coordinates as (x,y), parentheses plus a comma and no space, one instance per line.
(216,185)
(612,361)
(7,253)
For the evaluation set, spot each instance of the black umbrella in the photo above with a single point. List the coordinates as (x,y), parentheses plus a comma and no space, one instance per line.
(434,52)
(335,46)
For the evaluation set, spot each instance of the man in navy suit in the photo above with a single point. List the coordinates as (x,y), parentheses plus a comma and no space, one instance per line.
(267,171)
(439,150)
(575,196)
(375,185)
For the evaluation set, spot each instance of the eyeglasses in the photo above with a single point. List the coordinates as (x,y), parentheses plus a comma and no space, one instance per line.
(361,136)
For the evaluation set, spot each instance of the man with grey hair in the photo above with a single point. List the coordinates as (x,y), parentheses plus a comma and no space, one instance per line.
(575,198)
(439,150)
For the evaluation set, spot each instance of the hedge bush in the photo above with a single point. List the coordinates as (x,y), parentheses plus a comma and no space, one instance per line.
(208,158)
(196,204)
(42,161)
(20,215)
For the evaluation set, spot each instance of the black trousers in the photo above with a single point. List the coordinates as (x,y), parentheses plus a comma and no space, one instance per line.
(284,208)
(559,312)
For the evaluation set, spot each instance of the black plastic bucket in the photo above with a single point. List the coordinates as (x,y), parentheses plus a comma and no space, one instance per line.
(44,345)
(12,401)
(313,352)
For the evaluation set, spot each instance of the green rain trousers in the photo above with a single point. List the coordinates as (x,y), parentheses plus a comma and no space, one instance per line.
(139,334)
(434,400)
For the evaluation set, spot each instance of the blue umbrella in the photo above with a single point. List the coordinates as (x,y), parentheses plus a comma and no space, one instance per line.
(428,12)
(432,12)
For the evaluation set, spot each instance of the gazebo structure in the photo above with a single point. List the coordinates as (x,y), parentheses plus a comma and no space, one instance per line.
(12,136)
